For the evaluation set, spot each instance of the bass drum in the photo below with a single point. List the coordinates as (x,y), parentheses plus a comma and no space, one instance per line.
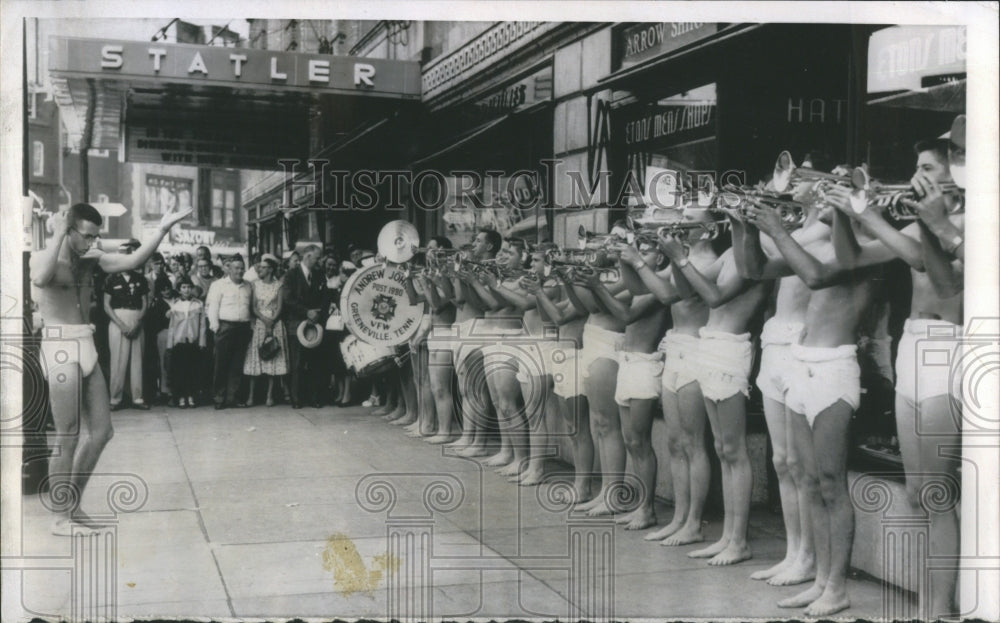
(365,359)
(376,308)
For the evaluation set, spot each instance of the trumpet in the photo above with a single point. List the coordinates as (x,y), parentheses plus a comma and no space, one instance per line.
(518,273)
(568,257)
(894,197)
(607,274)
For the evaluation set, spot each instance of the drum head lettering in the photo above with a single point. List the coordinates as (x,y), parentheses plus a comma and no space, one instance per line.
(376,309)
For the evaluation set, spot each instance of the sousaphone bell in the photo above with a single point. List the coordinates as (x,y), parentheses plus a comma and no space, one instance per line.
(398,241)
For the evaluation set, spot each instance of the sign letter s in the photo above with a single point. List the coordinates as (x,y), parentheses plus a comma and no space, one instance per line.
(363,74)
(111,57)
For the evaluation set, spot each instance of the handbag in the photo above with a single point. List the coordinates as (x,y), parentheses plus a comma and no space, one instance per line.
(269,348)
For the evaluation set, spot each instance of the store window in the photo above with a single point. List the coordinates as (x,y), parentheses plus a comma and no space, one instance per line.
(670,138)
(223,202)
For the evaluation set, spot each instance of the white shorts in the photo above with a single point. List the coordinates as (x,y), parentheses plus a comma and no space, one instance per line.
(66,344)
(461,347)
(819,377)
(775,359)
(598,343)
(443,337)
(723,364)
(927,361)
(680,357)
(638,376)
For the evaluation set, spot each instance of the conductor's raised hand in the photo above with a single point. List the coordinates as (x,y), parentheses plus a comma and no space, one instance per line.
(174,216)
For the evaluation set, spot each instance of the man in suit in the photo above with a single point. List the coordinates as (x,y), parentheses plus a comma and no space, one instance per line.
(302,299)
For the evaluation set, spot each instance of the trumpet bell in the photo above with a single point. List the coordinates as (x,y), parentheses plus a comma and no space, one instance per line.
(398,241)
(783,168)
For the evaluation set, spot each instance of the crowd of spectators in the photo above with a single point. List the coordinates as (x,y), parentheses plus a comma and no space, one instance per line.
(194,330)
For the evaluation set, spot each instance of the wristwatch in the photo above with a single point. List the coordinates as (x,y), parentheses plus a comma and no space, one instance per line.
(953,244)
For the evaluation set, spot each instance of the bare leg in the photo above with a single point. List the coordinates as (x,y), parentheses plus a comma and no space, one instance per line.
(732,421)
(712,410)
(539,409)
(606,425)
(830,436)
(802,448)
(475,405)
(76,455)
(637,429)
(692,417)
(774,414)
(937,443)
(505,455)
(270,391)
(439,373)
(253,387)
(803,567)
(511,412)
(577,414)
(679,472)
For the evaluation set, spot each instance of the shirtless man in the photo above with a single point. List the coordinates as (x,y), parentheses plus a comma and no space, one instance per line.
(680,395)
(926,399)
(723,361)
(504,321)
(823,389)
(567,384)
(640,366)
(780,331)
(61,279)
(440,352)
(468,356)
(534,362)
(597,361)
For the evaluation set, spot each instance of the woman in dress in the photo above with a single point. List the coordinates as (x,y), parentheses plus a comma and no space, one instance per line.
(266,310)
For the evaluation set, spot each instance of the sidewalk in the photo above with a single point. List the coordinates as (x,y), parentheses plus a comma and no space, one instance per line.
(256,514)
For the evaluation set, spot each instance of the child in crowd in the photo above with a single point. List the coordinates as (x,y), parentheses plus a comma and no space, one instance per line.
(186,340)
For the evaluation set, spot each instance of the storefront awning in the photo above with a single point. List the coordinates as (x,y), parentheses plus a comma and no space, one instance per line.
(221,107)
(477,132)
(948,97)
(622,77)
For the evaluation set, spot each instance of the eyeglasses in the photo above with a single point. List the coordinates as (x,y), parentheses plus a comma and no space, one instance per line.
(87,237)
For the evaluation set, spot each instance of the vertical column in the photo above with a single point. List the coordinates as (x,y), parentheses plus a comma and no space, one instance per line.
(592,568)
(409,590)
(94,595)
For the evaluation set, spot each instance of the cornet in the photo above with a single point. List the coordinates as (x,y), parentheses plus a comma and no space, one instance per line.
(693,231)
(893,197)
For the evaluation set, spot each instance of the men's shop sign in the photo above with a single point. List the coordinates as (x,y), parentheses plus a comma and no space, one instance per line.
(233,67)
(912,57)
(668,124)
(645,41)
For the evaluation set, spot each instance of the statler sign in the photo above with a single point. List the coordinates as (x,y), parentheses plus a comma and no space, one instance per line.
(233,67)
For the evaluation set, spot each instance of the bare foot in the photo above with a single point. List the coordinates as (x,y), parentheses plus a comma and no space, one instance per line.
(583,507)
(403,421)
(640,519)
(473,450)
(599,510)
(511,469)
(504,457)
(665,531)
(440,438)
(413,433)
(731,555)
(798,573)
(770,572)
(803,599)
(711,550)
(830,602)
(395,414)
(531,477)
(577,496)
(459,443)
(684,536)
(64,526)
